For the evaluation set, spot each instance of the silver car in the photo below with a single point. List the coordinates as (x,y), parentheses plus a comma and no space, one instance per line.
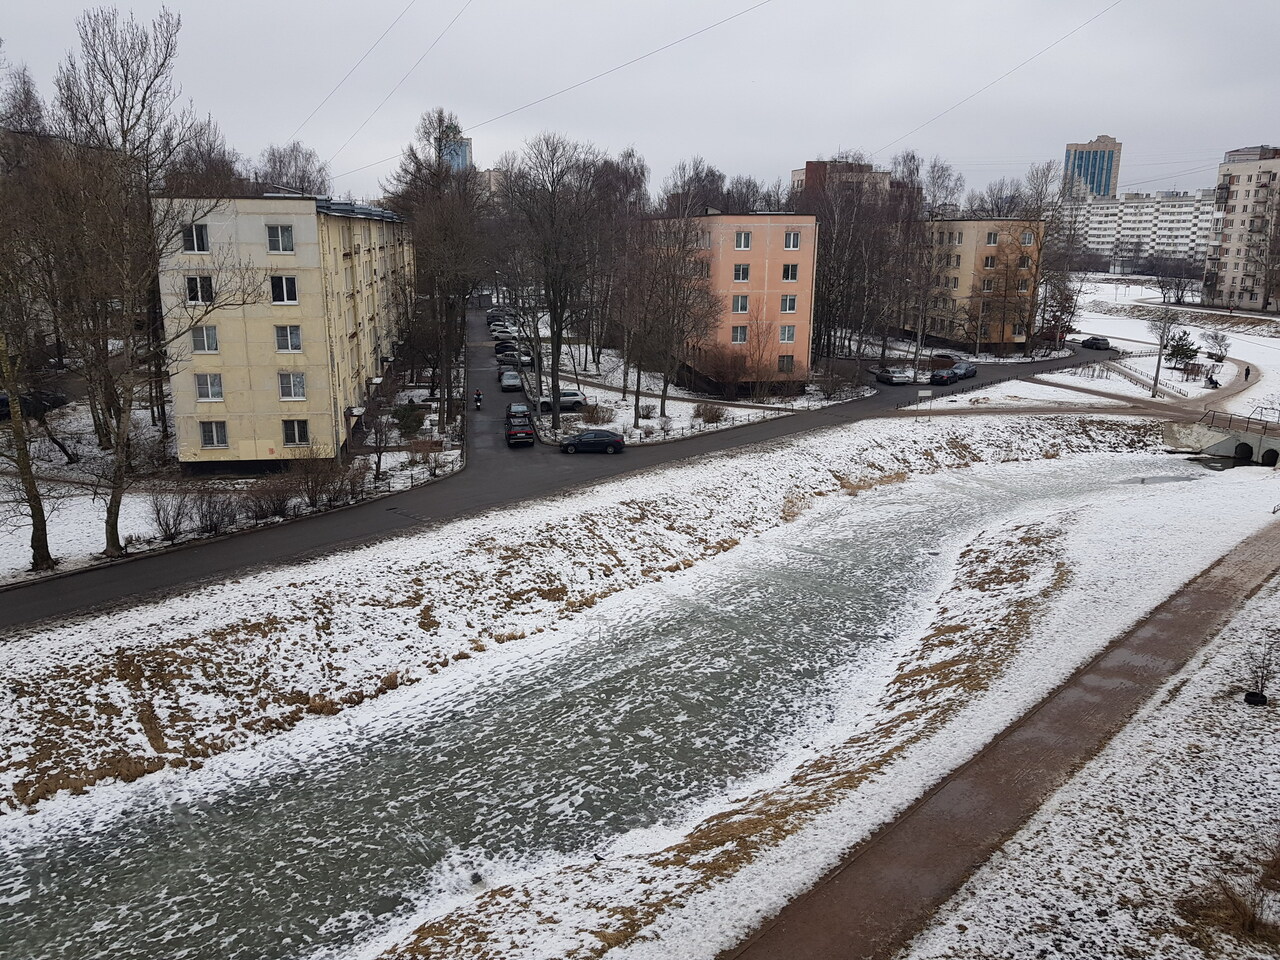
(895,375)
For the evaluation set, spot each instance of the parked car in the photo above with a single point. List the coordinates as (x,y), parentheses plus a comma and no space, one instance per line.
(895,375)
(504,345)
(519,429)
(593,441)
(944,376)
(509,380)
(499,313)
(569,400)
(1096,343)
(509,357)
(964,369)
(518,410)
(503,332)
(34,404)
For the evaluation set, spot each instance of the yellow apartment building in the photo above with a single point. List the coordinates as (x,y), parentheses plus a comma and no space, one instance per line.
(986,279)
(291,372)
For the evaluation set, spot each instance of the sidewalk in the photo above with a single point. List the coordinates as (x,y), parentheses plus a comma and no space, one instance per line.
(889,887)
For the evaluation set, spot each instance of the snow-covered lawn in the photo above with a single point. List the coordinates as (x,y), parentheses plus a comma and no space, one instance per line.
(76,532)
(1016,394)
(1098,376)
(1124,859)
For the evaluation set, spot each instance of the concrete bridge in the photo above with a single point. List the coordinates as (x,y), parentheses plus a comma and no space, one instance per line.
(1249,439)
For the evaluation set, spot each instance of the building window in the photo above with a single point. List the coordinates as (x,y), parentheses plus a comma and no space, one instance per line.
(739,303)
(789,304)
(791,240)
(195,238)
(989,263)
(790,272)
(213,433)
(296,433)
(284,289)
(1028,238)
(786,363)
(959,238)
(955,283)
(738,334)
(293,386)
(280,238)
(988,285)
(993,238)
(204,339)
(1024,263)
(742,240)
(955,261)
(288,339)
(741,272)
(208,386)
(199,289)
(787,333)
(1024,285)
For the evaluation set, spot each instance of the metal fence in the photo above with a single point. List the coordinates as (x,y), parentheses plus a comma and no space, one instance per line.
(1236,423)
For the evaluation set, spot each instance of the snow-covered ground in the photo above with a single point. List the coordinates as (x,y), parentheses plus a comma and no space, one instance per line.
(1124,860)
(173,685)
(1016,394)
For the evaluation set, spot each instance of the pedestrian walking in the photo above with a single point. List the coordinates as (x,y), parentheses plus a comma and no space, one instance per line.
(1247,371)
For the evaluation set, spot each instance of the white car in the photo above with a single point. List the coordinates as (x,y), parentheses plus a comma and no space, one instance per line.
(569,400)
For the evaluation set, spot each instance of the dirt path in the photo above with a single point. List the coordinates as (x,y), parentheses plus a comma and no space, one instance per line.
(891,885)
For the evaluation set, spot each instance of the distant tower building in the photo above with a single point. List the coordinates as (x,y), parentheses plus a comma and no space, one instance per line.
(457,154)
(1093,169)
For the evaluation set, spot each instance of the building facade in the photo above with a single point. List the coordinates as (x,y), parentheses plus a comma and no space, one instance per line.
(1093,169)
(1134,226)
(762,265)
(985,284)
(290,373)
(1243,264)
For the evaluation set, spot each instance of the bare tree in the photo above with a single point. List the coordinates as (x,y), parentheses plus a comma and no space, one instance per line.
(451,220)
(293,167)
(1160,328)
(1217,342)
(552,196)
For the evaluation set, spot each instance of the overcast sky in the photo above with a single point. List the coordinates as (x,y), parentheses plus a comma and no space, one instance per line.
(789,81)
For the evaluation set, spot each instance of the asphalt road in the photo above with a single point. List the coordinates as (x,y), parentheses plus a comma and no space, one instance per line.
(495,477)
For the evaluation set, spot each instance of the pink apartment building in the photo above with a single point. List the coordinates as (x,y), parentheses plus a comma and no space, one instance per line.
(762,264)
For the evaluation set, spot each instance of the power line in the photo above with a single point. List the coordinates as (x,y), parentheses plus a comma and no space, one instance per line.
(400,83)
(350,72)
(573,86)
(1169,176)
(1002,76)
(644,56)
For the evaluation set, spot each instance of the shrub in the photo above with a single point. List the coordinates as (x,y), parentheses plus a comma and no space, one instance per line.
(664,424)
(647,410)
(214,512)
(269,497)
(409,420)
(317,476)
(170,511)
(597,415)
(709,412)
(648,430)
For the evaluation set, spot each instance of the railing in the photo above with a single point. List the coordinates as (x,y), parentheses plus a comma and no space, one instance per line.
(1140,377)
(1235,423)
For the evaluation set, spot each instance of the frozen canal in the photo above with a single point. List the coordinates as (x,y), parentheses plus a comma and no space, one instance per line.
(652,703)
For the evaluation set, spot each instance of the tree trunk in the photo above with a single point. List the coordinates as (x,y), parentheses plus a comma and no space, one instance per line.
(119,471)
(636,407)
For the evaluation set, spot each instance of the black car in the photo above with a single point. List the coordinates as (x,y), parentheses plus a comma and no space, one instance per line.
(1096,343)
(946,376)
(34,404)
(519,430)
(502,346)
(964,369)
(518,410)
(593,441)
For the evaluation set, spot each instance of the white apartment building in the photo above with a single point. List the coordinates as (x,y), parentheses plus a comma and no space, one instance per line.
(1243,265)
(292,371)
(1132,226)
